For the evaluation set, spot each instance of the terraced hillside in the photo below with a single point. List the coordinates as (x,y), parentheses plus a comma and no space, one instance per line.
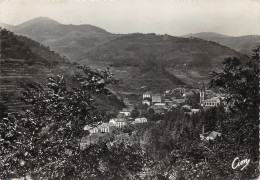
(24,60)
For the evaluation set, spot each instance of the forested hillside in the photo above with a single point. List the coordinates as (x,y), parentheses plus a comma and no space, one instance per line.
(190,60)
(25,61)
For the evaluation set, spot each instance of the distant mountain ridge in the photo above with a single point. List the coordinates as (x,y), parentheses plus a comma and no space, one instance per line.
(73,41)
(243,44)
(188,59)
(206,34)
(68,40)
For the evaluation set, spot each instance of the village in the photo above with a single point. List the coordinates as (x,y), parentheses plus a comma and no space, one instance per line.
(190,100)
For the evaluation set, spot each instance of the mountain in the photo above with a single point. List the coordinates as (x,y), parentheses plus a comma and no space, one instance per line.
(69,40)
(6,26)
(138,60)
(243,44)
(23,61)
(139,55)
(206,35)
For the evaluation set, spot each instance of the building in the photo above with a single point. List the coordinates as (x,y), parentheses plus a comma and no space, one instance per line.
(186,106)
(178,101)
(159,104)
(125,112)
(156,99)
(141,120)
(181,90)
(102,128)
(195,111)
(119,122)
(106,127)
(146,102)
(213,102)
(202,94)
(92,130)
(147,95)
(210,135)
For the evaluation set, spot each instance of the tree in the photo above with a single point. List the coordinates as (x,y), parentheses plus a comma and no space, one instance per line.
(240,83)
(44,140)
(135,113)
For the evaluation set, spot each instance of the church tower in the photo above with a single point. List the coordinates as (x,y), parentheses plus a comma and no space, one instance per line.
(202,94)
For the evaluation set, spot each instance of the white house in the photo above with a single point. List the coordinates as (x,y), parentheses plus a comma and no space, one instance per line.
(147,95)
(210,135)
(141,120)
(213,102)
(125,112)
(195,111)
(106,127)
(92,130)
(119,122)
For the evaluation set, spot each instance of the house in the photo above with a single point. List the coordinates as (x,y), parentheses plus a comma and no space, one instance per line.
(146,102)
(159,104)
(186,106)
(125,112)
(181,90)
(119,122)
(178,101)
(106,127)
(195,111)
(147,95)
(141,120)
(213,102)
(135,122)
(213,135)
(91,129)
(210,135)
(156,99)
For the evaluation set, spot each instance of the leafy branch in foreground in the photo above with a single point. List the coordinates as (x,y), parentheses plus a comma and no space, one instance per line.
(43,140)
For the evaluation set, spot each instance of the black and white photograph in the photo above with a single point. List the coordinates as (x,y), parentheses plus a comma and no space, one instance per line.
(129,89)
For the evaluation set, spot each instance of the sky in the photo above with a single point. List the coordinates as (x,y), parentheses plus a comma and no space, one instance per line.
(174,17)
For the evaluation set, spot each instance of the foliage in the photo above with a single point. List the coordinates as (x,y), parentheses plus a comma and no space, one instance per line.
(135,113)
(49,134)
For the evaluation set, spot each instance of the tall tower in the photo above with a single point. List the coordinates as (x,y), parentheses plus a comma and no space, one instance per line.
(202,94)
